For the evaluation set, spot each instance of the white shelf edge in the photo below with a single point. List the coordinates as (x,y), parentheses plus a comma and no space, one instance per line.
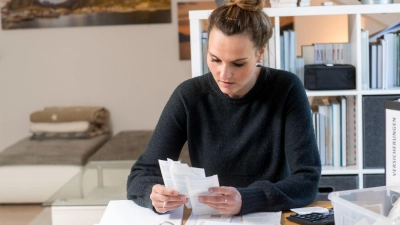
(391,91)
(373,171)
(349,170)
(330,170)
(316,10)
(331,93)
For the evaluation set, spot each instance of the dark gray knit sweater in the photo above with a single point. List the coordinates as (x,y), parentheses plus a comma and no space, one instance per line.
(262,143)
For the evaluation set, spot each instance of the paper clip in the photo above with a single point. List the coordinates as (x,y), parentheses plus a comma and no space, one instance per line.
(166,222)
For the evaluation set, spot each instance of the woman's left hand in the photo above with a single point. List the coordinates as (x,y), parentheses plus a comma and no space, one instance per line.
(229,200)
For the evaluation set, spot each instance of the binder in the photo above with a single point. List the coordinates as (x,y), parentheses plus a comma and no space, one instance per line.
(392,141)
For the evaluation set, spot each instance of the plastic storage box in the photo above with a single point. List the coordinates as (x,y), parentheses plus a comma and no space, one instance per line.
(369,206)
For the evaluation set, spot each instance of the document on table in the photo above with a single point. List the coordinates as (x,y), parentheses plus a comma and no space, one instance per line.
(189,181)
(265,218)
(126,212)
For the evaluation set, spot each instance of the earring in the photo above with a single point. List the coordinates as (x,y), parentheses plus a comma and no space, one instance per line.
(259,63)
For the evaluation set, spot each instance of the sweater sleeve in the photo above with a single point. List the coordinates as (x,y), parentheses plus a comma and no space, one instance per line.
(166,142)
(302,157)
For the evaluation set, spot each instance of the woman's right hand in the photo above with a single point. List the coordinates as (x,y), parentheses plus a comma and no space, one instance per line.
(165,199)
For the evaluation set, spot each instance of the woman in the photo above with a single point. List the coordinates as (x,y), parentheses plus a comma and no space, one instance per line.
(249,124)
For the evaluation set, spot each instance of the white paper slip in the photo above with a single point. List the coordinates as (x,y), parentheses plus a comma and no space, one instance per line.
(174,174)
(200,220)
(266,218)
(210,222)
(126,212)
(308,210)
(199,187)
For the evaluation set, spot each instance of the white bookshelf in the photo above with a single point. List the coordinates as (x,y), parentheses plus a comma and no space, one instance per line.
(354,13)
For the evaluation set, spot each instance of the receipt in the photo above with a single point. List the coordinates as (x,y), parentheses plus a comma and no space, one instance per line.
(308,210)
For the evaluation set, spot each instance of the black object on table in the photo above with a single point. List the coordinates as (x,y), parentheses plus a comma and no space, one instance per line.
(313,218)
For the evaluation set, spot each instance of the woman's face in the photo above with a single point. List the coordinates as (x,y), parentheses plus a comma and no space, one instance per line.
(232,62)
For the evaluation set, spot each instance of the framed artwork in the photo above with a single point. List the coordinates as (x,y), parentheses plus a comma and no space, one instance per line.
(183,24)
(16,14)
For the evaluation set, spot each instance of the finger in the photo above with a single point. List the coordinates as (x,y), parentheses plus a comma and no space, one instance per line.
(164,198)
(163,207)
(224,199)
(222,190)
(161,189)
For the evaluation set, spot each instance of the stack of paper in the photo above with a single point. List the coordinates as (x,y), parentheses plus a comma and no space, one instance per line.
(189,181)
(126,212)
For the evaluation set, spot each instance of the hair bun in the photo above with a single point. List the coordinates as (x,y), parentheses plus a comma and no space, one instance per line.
(250,5)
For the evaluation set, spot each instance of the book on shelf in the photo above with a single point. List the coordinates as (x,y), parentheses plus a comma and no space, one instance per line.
(351,131)
(325,53)
(343,128)
(315,117)
(335,131)
(392,137)
(379,59)
(292,51)
(283,4)
(322,129)
(365,59)
(285,50)
(391,58)
(397,61)
(289,3)
(332,53)
(307,52)
(373,68)
(390,29)
(288,51)
(382,69)
(384,60)
(303,3)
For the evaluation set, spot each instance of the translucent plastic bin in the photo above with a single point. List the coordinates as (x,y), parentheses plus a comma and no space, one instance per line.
(369,206)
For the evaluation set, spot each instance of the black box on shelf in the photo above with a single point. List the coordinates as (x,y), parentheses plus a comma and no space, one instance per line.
(329,77)
(327,184)
(374,180)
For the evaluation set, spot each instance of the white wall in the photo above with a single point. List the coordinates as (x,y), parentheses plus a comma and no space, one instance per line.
(129,69)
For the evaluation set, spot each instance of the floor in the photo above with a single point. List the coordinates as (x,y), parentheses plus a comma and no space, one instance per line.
(15,214)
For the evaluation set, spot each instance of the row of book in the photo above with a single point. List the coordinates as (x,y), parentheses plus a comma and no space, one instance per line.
(288,54)
(327,53)
(334,120)
(381,61)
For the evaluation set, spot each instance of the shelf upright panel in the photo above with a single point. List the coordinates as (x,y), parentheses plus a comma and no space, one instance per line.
(196,27)
(195,44)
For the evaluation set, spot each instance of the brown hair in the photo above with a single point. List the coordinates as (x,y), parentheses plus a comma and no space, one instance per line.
(242,16)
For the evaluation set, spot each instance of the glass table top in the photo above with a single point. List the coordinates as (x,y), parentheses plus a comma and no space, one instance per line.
(96,184)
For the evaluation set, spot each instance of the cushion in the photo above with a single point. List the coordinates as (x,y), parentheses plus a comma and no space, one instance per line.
(129,145)
(52,151)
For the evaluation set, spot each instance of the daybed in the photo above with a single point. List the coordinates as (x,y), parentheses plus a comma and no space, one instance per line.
(32,170)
